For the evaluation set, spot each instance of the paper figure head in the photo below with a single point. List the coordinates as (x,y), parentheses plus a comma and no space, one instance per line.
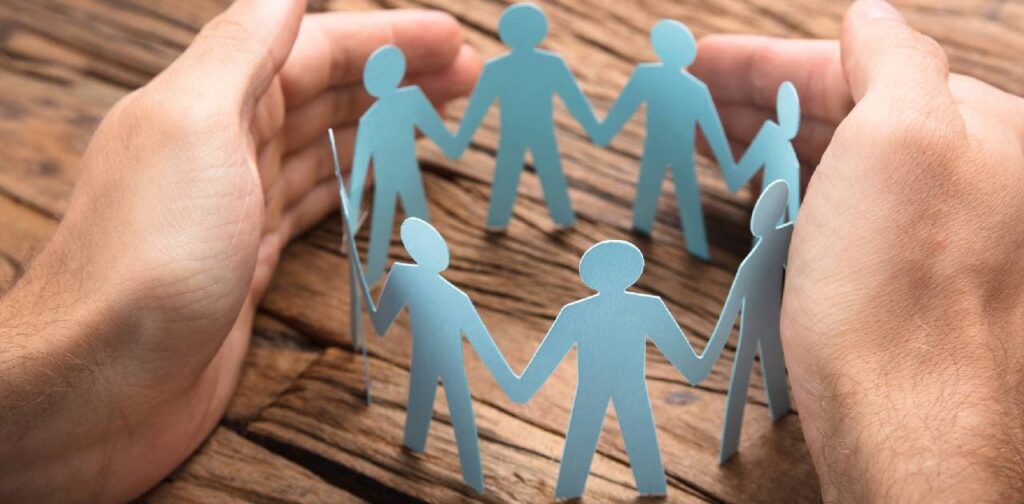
(384,70)
(674,44)
(522,26)
(787,104)
(425,245)
(770,208)
(611,266)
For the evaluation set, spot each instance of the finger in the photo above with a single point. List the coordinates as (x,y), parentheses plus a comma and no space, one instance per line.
(311,165)
(743,122)
(235,56)
(270,165)
(344,105)
(881,53)
(748,69)
(332,48)
(318,203)
(991,101)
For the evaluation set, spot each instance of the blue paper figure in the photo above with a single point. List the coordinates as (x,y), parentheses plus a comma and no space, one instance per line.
(524,82)
(756,296)
(773,149)
(387,136)
(610,330)
(677,103)
(440,314)
(355,268)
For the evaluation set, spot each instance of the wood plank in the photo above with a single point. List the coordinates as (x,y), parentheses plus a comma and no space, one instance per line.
(277,355)
(64,62)
(230,468)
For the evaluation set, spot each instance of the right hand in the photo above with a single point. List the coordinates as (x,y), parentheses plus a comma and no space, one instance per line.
(904,300)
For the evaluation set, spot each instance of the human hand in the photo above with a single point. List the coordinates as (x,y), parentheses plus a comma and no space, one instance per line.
(136,316)
(904,298)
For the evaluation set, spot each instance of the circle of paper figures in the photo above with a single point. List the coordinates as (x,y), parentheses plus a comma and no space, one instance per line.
(610,328)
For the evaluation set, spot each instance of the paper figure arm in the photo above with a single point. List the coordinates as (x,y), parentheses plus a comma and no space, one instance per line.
(672,342)
(478,335)
(723,328)
(549,354)
(711,125)
(360,167)
(751,161)
(431,124)
(483,96)
(624,107)
(572,95)
(392,299)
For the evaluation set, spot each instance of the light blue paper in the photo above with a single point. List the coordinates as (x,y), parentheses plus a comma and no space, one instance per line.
(772,149)
(756,296)
(440,314)
(610,331)
(524,81)
(355,269)
(677,103)
(387,136)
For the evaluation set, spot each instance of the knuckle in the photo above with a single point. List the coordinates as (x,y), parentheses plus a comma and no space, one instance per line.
(921,50)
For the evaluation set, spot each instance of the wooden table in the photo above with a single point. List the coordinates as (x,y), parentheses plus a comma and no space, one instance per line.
(298,428)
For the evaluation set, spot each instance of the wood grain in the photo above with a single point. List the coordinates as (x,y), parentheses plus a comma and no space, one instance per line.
(298,429)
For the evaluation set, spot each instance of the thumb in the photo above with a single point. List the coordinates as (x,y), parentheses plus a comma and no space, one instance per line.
(880,51)
(236,55)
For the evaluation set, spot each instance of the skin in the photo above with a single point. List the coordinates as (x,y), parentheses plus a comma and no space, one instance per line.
(903,301)
(122,344)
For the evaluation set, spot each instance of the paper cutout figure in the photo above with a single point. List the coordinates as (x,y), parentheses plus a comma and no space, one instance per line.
(756,296)
(677,103)
(440,314)
(524,81)
(773,149)
(387,136)
(610,330)
(355,269)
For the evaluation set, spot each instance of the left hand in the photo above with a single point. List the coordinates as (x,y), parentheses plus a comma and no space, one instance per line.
(135,318)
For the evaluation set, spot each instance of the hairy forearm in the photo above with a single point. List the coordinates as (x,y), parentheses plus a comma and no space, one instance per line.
(49,369)
(938,420)
(67,403)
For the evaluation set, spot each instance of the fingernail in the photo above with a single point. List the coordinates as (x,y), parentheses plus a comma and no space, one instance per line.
(882,9)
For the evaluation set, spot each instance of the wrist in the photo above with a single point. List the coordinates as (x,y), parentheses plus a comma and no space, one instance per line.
(56,329)
(916,411)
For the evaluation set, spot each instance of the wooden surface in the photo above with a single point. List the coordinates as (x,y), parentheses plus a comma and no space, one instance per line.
(298,428)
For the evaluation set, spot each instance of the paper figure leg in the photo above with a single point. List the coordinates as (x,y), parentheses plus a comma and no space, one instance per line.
(552,181)
(736,401)
(380,232)
(580,443)
(640,435)
(773,368)
(506,184)
(690,212)
(414,201)
(648,189)
(420,406)
(460,407)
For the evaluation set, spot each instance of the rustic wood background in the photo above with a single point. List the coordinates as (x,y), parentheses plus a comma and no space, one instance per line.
(298,428)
